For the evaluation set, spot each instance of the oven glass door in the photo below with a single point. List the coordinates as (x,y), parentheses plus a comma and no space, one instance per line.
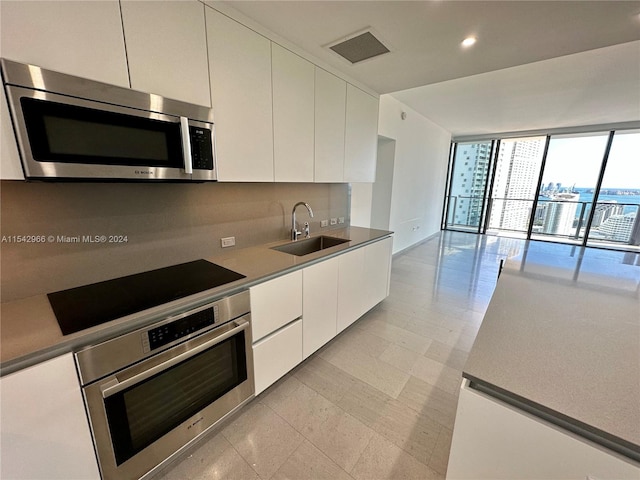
(169,399)
(65,133)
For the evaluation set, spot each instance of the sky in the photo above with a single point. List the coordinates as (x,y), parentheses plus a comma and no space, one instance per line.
(576,160)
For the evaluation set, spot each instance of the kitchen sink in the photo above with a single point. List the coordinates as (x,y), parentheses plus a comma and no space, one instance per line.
(310,245)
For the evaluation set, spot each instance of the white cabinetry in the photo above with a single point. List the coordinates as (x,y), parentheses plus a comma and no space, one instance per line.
(167,49)
(44,427)
(293,116)
(361,136)
(78,38)
(240,77)
(275,303)
(330,105)
(276,354)
(350,288)
(493,440)
(363,280)
(276,307)
(320,304)
(377,272)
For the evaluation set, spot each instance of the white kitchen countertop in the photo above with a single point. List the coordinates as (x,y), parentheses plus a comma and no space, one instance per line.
(562,334)
(29,331)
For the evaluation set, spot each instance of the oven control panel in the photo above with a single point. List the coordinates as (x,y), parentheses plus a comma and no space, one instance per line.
(170,332)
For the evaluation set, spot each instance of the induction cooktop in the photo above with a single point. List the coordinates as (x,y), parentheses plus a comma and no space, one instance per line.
(83,307)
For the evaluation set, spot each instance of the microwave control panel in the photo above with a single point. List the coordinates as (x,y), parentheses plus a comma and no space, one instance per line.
(201,148)
(170,332)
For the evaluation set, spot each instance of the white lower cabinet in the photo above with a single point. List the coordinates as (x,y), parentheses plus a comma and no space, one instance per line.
(294,315)
(377,271)
(276,354)
(493,440)
(275,303)
(319,304)
(43,425)
(350,288)
(276,308)
(363,280)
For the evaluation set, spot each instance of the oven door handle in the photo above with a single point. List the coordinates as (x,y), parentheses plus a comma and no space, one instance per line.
(111,389)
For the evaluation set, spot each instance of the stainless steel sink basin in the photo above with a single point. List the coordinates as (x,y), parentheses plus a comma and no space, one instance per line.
(310,245)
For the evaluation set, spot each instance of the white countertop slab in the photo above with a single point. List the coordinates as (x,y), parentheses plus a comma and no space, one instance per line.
(562,332)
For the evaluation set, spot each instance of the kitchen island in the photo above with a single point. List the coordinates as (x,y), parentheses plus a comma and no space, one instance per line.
(551,388)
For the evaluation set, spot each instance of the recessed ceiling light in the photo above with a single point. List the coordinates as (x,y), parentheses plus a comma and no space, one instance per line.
(467,42)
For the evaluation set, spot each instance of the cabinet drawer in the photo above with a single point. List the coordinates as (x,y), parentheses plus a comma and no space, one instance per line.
(275,303)
(276,354)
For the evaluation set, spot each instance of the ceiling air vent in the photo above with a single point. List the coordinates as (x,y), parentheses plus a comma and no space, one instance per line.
(360,46)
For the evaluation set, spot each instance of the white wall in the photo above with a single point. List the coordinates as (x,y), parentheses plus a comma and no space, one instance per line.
(420,169)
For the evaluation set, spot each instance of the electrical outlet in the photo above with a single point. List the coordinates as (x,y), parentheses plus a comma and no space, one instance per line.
(324,223)
(340,220)
(334,221)
(228,242)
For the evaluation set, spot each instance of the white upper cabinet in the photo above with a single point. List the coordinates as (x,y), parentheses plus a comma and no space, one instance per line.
(331,98)
(293,116)
(240,75)
(167,49)
(361,136)
(78,38)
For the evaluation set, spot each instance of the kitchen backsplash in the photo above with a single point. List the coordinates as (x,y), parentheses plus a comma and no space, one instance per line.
(62,235)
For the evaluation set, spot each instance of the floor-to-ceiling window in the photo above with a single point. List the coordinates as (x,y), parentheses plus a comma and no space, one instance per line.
(571,172)
(469,175)
(616,217)
(514,186)
(581,188)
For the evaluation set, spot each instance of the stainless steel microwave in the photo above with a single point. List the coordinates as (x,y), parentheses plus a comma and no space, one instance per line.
(74,128)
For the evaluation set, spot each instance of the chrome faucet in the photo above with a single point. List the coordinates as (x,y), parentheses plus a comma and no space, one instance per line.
(294,231)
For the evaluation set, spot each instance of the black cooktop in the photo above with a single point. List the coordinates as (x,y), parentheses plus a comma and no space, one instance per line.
(91,305)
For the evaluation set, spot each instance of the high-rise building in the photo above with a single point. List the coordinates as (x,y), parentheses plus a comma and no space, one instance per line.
(469,180)
(514,187)
(561,214)
(604,210)
(618,227)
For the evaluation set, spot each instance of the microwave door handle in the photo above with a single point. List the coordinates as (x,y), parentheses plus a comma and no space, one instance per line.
(112,389)
(186,145)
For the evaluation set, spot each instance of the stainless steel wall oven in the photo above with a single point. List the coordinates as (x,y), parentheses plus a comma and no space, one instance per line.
(153,391)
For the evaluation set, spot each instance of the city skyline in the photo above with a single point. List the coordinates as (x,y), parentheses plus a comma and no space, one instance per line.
(574,160)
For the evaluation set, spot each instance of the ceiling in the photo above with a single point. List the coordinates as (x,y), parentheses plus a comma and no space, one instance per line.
(425,42)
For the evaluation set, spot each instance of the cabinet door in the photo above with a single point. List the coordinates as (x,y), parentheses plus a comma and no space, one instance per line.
(361,136)
(78,38)
(275,303)
(493,440)
(44,427)
(10,166)
(377,263)
(276,354)
(167,49)
(240,77)
(331,98)
(351,288)
(319,304)
(293,118)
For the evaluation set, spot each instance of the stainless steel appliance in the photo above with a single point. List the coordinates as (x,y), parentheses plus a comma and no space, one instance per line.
(73,128)
(152,392)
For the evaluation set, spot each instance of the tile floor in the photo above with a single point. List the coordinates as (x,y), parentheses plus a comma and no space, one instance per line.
(379,401)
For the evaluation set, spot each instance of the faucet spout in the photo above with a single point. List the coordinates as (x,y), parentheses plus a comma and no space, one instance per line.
(294,231)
